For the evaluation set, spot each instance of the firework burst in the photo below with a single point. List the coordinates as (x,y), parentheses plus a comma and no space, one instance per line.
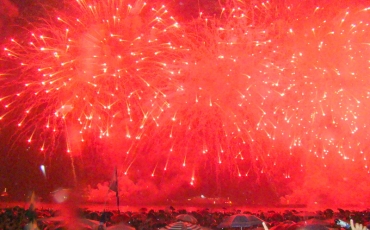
(272,95)
(325,92)
(108,61)
(265,89)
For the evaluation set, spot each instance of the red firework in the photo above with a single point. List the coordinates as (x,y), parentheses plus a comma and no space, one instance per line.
(268,89)
(104,63)
(258,95)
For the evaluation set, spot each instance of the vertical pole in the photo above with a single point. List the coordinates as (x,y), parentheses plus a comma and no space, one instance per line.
(117,196)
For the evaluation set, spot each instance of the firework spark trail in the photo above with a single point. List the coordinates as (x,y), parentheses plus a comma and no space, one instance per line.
(91,68)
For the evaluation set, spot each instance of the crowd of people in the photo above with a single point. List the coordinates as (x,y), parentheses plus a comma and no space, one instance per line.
(17,217)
